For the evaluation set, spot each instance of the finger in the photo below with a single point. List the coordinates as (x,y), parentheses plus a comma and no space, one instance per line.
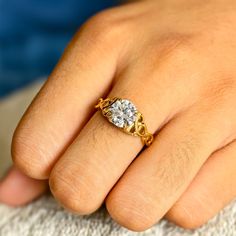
(158,177)
(66,101)
(101,153)
(17,189)
(211,190)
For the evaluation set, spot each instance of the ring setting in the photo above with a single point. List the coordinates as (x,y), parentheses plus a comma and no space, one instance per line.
(123,114)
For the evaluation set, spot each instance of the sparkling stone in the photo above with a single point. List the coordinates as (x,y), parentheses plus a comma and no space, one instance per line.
(123,113)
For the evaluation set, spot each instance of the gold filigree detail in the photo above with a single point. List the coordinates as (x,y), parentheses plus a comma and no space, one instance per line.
(138,128)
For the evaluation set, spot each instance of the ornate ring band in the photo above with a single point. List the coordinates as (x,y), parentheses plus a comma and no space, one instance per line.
(124,115)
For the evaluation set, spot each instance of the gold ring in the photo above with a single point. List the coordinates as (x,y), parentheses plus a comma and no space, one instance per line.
(124,115)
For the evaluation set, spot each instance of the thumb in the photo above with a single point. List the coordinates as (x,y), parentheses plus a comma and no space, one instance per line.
(17,189)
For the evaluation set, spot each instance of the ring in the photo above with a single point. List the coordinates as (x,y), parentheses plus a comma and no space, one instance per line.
(123,114)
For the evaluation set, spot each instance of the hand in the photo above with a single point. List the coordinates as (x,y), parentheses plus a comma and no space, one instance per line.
(176,61)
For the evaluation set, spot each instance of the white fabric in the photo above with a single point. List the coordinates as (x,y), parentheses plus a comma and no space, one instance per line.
(45,217)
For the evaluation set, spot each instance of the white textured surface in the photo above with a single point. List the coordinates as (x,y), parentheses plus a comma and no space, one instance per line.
(45,218)
(11,110)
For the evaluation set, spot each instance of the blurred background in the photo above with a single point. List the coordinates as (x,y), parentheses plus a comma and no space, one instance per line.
(34,33)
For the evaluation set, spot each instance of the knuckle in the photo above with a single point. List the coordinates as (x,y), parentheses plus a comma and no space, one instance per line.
(177,49)
(176,45)
(101,19)
(221,90)
(74,194)
(217,100)
(129,213)
(172,48)
(104,29)
(28,156)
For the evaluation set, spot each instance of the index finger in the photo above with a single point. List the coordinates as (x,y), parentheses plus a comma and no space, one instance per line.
(63,105)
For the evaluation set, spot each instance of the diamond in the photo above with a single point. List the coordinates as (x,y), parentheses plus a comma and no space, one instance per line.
(123,113)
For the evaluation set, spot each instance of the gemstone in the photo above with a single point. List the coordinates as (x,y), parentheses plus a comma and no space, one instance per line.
(123,113)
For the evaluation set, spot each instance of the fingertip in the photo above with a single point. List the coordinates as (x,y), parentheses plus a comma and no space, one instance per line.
(17,189)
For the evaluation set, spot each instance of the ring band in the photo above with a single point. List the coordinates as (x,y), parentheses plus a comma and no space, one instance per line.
(123,114)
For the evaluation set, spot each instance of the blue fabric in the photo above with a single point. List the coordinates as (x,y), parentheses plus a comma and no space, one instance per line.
(33,34)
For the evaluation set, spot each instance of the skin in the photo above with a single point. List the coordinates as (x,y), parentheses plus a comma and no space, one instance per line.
(176,61)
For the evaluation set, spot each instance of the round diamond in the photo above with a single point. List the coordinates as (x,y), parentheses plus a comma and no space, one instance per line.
(123,113)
